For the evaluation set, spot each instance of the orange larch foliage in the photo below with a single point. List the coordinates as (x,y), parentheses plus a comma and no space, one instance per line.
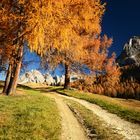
(112,71)
(68,24)
(97,51)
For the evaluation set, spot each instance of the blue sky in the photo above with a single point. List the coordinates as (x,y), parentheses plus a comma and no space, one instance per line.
(121,21)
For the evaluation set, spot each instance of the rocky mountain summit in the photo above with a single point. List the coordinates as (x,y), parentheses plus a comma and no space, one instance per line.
(34,76)
(129,59)
(131,52)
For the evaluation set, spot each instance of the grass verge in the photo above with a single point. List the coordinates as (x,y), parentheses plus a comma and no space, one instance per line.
(108,103)
(29,116)
(95,128)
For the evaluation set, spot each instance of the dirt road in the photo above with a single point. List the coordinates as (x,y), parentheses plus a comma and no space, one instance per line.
(71,129)
(129,130)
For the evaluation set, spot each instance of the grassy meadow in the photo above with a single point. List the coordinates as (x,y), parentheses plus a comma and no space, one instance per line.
(28,115)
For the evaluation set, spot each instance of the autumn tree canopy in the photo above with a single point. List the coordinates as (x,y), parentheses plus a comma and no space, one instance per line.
(69,28)
(70,21)
(21,21)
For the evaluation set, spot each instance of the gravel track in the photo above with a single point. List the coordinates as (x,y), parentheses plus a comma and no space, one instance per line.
(130,131)
(71,129)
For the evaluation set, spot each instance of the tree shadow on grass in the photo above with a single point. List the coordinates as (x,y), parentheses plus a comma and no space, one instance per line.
(24,87)
(56,89)
(59,90)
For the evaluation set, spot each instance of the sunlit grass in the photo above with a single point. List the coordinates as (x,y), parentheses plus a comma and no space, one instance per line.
(111,104)
(29,116)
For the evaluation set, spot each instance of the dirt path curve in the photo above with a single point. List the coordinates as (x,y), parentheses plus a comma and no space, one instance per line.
(71,129)
(129,130)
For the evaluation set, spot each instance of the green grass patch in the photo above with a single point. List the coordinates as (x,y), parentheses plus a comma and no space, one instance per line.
(105,102)
(29,116)
(93,123)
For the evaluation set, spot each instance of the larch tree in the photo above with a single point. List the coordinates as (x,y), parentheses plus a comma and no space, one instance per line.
(21,21)
(75,19)
(74,36)
(62,25)
(105,72)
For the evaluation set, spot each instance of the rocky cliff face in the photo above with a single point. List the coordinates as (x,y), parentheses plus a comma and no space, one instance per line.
(129,59)
(131,53)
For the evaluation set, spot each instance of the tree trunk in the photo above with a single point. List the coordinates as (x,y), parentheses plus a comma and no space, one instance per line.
(7,80)
(16,71)
(10,86)
(15,80)
(67,77)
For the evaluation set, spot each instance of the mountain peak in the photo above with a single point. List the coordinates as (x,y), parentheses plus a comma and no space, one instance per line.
(131,52)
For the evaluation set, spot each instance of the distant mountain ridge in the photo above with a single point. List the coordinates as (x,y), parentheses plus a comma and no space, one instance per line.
(32,76)
(35,76)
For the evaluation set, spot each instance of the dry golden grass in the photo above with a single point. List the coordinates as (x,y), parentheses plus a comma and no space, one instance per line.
(130,103)
(35,85)
(127,103)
